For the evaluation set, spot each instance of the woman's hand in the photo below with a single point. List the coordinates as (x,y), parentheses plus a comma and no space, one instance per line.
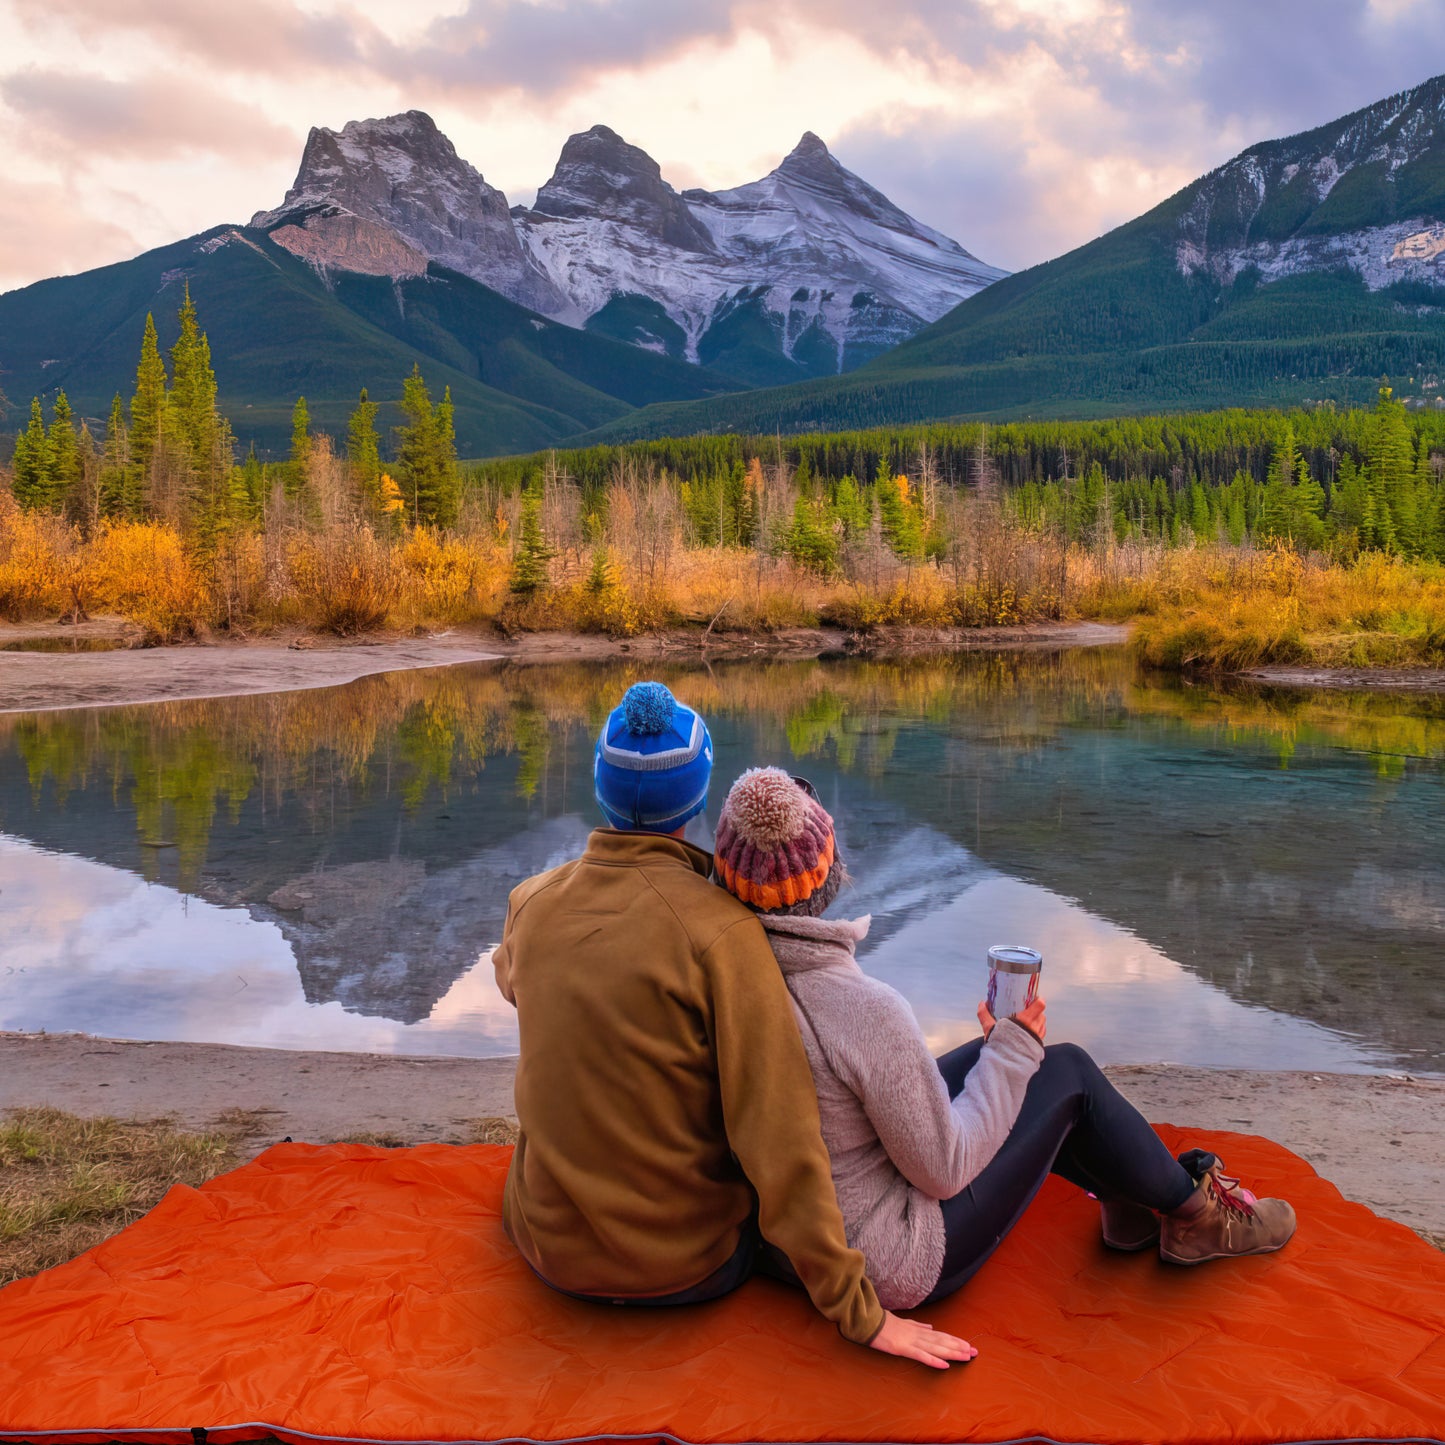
(1032,1018)
(914,1340)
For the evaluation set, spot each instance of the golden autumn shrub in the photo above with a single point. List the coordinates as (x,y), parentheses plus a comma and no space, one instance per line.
(1230,610)
(346,580)
(36,562)
(448,579)
(143,571)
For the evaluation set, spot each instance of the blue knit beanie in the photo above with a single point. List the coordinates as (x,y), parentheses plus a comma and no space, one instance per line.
(653,762)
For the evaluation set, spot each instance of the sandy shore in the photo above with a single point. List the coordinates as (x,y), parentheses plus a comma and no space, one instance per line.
(1354,679)
(31,681)
(1380,1139)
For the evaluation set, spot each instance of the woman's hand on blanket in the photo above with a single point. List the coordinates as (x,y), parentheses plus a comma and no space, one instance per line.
(1032,1018)
(914,1340)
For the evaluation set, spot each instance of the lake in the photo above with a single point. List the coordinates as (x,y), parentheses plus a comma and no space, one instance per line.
(1235,876)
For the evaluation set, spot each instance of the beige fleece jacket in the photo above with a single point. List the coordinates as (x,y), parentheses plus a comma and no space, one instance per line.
(897,1143)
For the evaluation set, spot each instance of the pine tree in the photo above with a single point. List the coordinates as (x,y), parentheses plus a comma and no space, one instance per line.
(148,406)
(1352,513)
(1391,470)
(902,526)
(850,508)
(1276,518)
(299,465)
(65,457)
(1199,519)
(30,465)
(529,562)
(448,505)
(1308,506)
(810,539)
(193,391)
(363,452)
(426,455)
(115,468)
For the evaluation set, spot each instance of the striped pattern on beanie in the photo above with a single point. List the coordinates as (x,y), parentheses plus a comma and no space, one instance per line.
(774,846)
(652,762)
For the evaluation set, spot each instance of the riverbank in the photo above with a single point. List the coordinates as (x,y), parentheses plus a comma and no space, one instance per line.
(45,680)
(1354,679)
(1379,1138)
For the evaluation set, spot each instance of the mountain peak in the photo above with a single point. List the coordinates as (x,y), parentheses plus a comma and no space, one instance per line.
(600,176)
(404,122)
(811,161)
(401,173)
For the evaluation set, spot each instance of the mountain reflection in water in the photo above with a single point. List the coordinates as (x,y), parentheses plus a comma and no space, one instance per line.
(1240,877)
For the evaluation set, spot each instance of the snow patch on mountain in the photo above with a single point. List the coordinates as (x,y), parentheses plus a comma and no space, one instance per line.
(832,265)
(811,242)
(1265,210)
(1380,255)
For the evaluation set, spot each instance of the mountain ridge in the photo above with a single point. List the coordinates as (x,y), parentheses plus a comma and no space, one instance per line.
(808,271)
(1254,284)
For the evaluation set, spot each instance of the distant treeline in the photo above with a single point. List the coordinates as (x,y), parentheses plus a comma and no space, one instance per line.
(1357,479)
(1206,447)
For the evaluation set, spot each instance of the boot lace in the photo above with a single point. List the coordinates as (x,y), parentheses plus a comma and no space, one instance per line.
(1231,1194)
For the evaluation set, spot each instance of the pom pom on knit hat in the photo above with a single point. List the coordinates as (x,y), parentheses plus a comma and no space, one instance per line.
(653,762)
(647,708)
(775,848)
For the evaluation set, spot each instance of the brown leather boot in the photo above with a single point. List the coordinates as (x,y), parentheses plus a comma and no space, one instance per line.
(1222,1220)
(1128,1226)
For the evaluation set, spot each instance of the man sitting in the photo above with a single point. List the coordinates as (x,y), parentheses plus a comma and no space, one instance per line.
(667,1111)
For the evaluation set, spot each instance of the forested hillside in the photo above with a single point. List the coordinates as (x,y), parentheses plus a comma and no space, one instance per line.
(278,329)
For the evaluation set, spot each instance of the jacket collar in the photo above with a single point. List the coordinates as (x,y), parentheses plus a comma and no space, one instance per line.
(634,848)
(801,944)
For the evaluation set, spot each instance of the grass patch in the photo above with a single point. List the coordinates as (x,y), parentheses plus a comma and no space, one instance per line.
(67,1183)
(492,1130)
(1222,611)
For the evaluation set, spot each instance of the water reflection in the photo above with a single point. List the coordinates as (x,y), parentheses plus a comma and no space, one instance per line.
(1238,876)
(139,960)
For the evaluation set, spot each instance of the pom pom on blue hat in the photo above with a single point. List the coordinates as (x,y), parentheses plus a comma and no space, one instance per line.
(653,762)
(647,708)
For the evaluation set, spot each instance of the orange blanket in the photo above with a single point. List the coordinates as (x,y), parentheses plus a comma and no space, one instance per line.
(361,1294)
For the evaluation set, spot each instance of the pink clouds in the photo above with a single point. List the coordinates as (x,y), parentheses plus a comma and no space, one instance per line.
(154,118)
(256,35)
(46,231)
(1022,127)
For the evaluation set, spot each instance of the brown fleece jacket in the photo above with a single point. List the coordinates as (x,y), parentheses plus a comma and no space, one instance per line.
(661,1075)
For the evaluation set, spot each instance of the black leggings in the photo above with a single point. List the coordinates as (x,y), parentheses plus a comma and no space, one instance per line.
(1073,1122)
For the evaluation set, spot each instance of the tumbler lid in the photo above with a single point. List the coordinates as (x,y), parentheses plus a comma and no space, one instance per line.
(1015,958)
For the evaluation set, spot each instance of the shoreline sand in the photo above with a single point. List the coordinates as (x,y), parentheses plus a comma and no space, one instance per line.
(46,681)
(34,681)
(1379,1138)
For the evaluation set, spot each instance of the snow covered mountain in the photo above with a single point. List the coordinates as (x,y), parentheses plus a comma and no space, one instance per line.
(1365,193)
(809,271)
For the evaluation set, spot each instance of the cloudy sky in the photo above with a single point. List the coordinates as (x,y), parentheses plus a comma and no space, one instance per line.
(1021,127)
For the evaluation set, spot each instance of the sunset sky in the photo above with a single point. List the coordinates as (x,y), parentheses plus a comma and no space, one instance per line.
(1020,127)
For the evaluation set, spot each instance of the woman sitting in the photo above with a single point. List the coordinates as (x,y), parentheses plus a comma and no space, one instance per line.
(934,1161)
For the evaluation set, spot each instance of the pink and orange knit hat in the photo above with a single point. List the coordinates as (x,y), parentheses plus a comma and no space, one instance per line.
(775,848)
